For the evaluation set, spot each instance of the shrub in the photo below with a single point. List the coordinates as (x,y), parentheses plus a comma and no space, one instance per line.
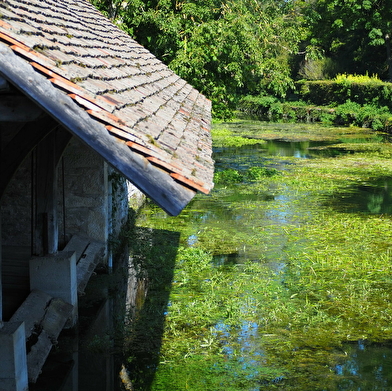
(362,89)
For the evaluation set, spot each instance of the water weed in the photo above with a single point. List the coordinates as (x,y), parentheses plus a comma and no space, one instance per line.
(272,275)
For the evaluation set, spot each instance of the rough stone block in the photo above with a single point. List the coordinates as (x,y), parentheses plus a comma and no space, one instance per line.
(56,275)
(32,311)
(37,356)
(13,362)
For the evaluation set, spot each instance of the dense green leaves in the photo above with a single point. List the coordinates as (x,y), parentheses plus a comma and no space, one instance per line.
(356,33)
(223,48)
(231,48)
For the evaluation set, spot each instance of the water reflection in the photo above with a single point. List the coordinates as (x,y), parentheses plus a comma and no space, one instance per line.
(301,149)
(368,367)
(374,197)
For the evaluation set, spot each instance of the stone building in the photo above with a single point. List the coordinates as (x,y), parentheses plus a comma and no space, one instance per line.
(83,110)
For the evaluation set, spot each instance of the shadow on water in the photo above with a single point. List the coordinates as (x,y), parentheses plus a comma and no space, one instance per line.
(123,308)
(372,197)
(153,253)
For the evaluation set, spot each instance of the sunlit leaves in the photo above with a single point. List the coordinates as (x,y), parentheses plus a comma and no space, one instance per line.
(222,48)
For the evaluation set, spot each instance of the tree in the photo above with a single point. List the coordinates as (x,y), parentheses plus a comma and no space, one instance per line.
(223,48)
(356,33)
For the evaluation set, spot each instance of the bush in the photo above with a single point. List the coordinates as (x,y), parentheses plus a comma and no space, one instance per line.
(364,90)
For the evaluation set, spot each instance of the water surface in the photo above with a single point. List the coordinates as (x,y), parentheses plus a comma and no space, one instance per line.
(291,288)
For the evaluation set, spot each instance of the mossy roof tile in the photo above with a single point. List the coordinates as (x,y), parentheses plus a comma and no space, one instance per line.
(87,57)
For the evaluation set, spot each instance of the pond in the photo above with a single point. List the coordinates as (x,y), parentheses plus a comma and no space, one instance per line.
(281,278)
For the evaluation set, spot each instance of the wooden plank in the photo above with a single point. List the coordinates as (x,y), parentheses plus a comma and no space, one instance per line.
(5,25)
(107,117)
(45,236)
(32,311)
(77,244)
(56,316)
(66,85)
(85,103)
(121,133)
(100,101)
(31,54)
(88,262)
(12,41)
(161,163)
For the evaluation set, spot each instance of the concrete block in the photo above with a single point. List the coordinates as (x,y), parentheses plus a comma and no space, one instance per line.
(13,361)
(56,275)
(38,355)
(32,311)
(56,316)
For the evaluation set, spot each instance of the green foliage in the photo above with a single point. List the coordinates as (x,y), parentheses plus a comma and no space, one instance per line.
(224,137)
(364,79)
(228,176)
(360,89)
(319,276)
(273,109)
(231,176)
(222,48)
(348,114)
(355,34)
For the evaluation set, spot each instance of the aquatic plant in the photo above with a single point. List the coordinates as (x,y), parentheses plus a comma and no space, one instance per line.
(274,275)
(251,174)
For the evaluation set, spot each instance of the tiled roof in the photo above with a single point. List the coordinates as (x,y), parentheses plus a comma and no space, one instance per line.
(120,84)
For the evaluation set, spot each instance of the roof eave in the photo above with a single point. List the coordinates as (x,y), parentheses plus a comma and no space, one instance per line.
(151,180)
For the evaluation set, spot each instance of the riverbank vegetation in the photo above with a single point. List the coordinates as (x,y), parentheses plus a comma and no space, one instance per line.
(230,49)
(288,262)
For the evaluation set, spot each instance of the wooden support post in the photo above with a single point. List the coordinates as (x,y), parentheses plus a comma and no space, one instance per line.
(45,238)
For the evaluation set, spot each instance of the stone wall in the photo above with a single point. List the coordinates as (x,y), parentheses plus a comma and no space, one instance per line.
(83,188)
(92,199)
(16,208)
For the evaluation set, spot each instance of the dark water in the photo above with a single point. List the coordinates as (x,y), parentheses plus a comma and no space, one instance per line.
(368,367)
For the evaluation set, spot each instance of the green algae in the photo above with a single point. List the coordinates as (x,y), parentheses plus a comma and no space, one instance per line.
(274,275)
